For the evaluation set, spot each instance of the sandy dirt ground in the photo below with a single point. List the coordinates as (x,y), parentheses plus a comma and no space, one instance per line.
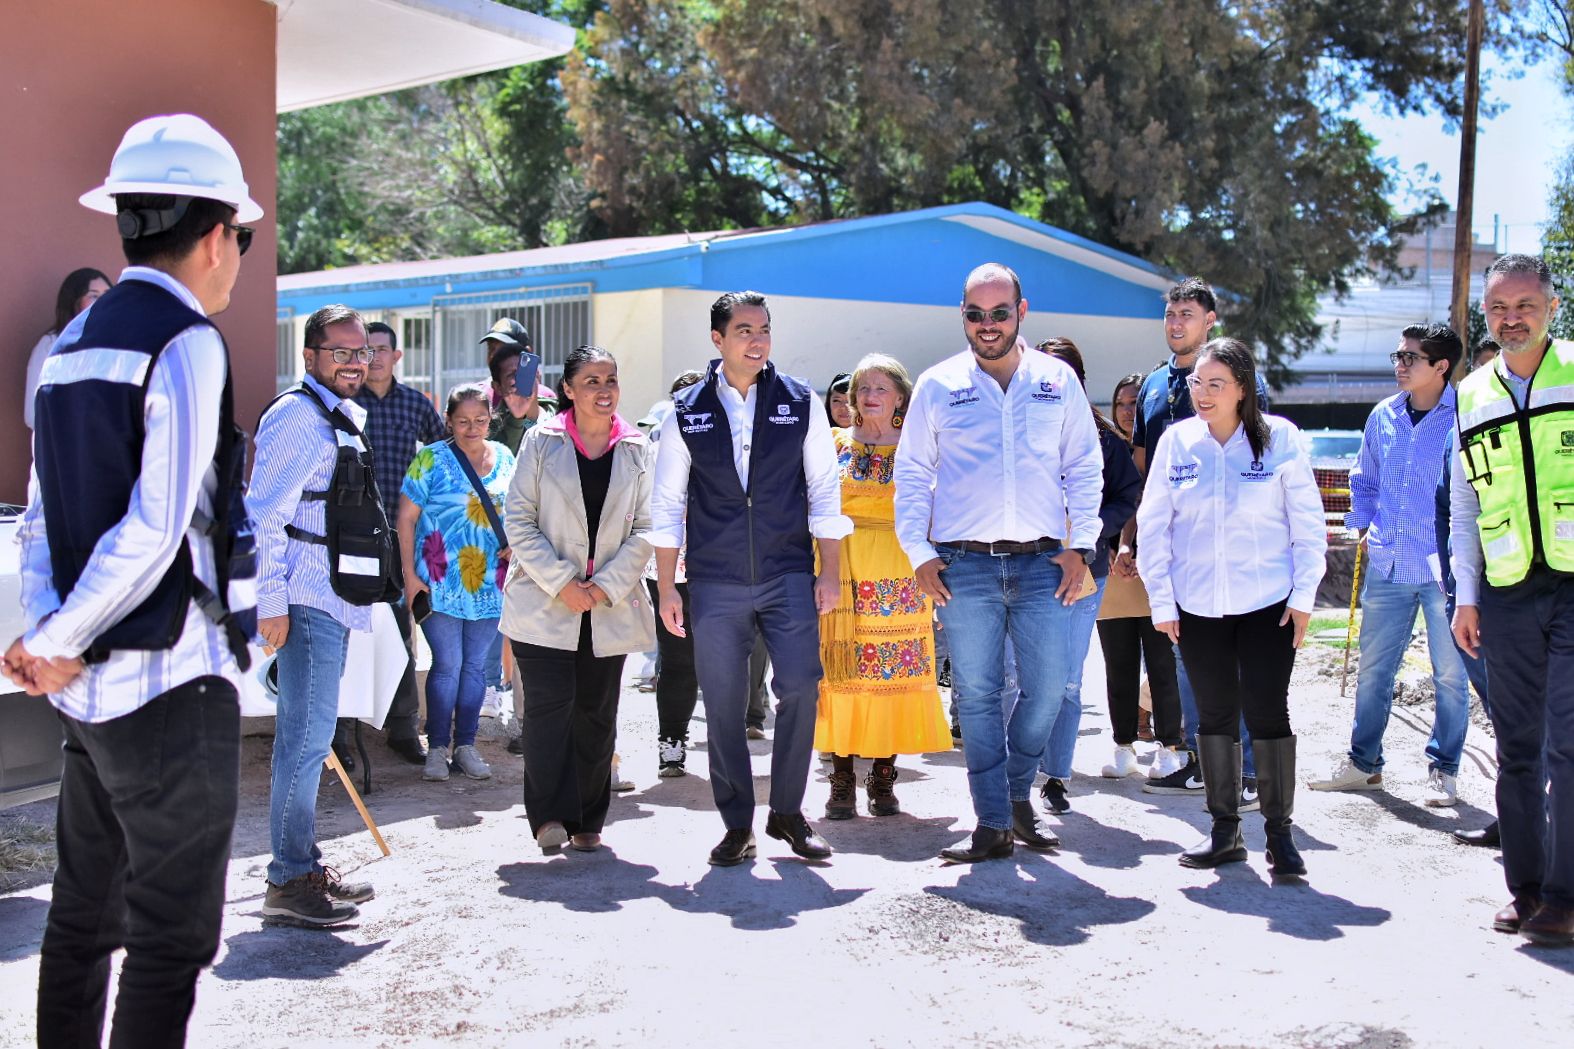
(476,939)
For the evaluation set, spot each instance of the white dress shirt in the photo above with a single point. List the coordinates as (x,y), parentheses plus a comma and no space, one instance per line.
(1222,534)
(181,428)
(669,498)
(979,463)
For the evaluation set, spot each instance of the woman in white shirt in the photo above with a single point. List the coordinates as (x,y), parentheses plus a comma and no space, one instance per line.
(1230,544)
(77,292)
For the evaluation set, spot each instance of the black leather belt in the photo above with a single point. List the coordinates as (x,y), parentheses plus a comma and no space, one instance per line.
(1001,548)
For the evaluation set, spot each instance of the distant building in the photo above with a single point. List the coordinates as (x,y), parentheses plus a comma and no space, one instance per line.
(1337,383)
(837,290)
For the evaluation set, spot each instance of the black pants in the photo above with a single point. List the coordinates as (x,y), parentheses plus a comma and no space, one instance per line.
(570,726)
(677,685)
(1126,644)
(727,619)
(146,809)
(1527,634)
(1240,666)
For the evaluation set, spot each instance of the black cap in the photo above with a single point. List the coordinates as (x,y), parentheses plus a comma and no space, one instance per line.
(509,332)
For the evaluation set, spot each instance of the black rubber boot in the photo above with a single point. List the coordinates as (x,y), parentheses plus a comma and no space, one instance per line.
(1276,788)
(1220,757)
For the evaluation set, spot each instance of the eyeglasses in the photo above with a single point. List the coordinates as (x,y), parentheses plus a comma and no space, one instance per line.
(243,235)
(1214,387)
(1000,314)
(1408,359)
(344,354)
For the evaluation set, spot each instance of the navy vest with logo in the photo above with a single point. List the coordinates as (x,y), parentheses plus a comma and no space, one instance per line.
(754,535)
(87,448)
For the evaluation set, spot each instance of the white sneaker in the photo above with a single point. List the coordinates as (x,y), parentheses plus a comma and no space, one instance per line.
(470,763)
(1166,761)
(618,782)
(497,699)
(1348,777)
(436,768)
(1441,789)
(1125,763)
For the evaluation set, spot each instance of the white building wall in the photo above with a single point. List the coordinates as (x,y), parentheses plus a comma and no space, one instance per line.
(816,338)
(629,325)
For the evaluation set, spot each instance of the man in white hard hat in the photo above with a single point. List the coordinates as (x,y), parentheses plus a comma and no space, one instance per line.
(136,583)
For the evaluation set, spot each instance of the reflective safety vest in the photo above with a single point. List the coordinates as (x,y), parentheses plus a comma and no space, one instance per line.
(1520,461)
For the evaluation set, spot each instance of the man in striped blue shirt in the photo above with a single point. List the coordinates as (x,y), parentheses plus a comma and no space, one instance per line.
(300,615)
(1393,504)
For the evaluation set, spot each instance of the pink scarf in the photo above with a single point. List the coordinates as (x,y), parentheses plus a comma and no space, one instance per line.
(620,431)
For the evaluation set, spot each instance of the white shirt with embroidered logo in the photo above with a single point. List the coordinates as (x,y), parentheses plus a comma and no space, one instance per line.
(1221,533)
(979,463)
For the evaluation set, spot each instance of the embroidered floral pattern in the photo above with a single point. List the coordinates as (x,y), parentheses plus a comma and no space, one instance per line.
(861,462)
(888,597)
(885,660)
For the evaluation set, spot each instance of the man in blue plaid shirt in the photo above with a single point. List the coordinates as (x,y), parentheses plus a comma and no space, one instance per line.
(1393,504)
(399,419)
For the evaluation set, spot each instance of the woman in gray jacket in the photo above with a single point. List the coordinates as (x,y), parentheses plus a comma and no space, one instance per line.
(573,606)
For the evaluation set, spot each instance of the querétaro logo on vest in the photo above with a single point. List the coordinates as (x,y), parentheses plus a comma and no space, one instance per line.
(1567,440)
(697,422)
(783,416)
(1047,393)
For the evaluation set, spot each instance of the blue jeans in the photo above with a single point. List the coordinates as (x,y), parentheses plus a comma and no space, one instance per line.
(1063,737)
(310,664)
(1189,719)
(494,659)
(456,684)
(993,598)
(1388,612)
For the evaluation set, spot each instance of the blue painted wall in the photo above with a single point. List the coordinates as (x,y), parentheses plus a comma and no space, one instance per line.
(917,258)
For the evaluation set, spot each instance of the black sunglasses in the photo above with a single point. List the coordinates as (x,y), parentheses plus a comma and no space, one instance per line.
(242,235)
(1409,359)
(999,315)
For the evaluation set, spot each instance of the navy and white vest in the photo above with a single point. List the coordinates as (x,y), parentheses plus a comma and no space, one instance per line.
(87,449)
(752,535)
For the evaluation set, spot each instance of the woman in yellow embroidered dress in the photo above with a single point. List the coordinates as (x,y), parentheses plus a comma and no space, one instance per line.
(879,697)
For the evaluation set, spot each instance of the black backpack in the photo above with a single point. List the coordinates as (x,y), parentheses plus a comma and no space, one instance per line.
(363,550)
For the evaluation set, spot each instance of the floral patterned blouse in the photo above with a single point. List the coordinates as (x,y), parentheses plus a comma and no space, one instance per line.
(455,547)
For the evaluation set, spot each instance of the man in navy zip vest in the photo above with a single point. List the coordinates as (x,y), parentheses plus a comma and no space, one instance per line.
(130,538)
(747,457)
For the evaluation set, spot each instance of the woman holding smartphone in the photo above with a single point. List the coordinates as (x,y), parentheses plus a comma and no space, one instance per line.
(1230,541)
(454,561)
(578,513)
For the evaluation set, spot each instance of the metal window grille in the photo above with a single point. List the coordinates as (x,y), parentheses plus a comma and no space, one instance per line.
(287,355)
(558,319)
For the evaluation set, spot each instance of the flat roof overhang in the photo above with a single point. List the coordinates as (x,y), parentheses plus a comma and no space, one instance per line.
(335,50)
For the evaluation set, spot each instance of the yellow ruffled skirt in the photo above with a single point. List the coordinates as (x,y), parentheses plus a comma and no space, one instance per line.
(879,695)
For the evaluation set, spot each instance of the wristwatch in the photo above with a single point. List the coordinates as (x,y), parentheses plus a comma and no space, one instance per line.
(1085,554)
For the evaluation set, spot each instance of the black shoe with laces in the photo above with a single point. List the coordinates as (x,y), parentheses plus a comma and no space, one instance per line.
(305,902)
(792,828)
(1054,794)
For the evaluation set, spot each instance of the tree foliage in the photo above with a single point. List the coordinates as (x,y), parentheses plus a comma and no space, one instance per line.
(1208,138)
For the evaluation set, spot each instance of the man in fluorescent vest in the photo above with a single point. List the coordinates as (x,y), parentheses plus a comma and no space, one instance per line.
(1512,518)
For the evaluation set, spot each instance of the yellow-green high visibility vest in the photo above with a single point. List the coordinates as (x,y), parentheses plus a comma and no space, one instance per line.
(1520,461)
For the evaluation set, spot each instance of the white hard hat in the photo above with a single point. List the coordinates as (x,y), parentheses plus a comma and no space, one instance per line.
(178,154)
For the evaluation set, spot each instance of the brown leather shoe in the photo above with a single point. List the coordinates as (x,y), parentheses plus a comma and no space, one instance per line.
(1516,911)
(1550,926)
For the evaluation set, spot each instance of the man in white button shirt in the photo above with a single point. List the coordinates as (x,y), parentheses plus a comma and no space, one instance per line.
(998,451)
(747,467)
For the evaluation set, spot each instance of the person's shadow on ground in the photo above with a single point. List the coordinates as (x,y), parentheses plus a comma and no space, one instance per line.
(1053,906)
(1292,906)
(600,882)
(290,954)
(1102,845)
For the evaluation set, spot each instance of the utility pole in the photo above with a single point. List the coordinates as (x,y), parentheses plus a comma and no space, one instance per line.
(1463,240)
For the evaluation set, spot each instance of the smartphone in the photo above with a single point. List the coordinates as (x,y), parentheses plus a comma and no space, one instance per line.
(529,373)
(421,606)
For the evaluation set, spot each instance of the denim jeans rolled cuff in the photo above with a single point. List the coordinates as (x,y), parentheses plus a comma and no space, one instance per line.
(1388,612)
(1068,722)
(310,664)
(993,598)
(456,683)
